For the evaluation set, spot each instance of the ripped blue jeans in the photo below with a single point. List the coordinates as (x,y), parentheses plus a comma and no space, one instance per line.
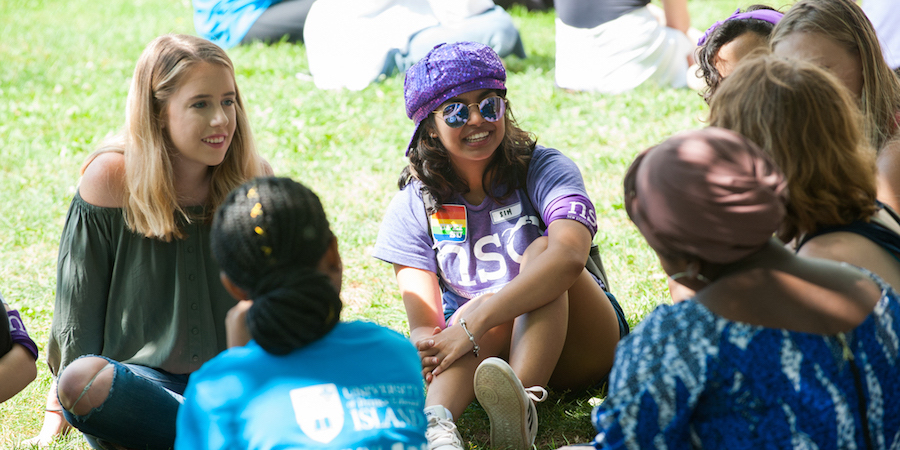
(139,412)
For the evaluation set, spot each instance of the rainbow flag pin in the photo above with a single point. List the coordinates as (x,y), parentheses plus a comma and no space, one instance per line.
(449,224)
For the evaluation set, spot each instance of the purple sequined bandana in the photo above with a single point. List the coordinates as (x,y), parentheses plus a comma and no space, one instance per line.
(447,71)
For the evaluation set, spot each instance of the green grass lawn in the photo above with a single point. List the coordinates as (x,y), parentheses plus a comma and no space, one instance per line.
(64,74)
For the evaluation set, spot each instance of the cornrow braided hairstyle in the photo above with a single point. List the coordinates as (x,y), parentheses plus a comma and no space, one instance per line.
(268,237)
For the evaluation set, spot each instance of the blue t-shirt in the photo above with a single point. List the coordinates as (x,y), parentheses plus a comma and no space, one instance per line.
(226,22)
(686,378)
(479,246)
(359,387)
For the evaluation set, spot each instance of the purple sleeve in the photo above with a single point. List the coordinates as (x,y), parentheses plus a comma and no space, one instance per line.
(573,207)
(404,237)
(19,334)
(557,190)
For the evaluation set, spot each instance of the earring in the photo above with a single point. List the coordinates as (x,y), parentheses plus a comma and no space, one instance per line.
(433,135)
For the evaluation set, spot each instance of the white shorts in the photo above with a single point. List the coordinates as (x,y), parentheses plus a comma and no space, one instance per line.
(621,54)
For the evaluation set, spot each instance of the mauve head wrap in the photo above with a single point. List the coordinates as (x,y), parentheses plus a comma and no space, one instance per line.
(709,193)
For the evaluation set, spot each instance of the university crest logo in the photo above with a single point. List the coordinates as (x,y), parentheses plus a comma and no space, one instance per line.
(319,411)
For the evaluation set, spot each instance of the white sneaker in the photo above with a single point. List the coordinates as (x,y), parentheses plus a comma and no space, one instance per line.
(441,432)
(509,406)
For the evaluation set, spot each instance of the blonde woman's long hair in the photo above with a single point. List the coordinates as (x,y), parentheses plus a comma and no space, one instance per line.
(810,126)
(846,23)
(151,205)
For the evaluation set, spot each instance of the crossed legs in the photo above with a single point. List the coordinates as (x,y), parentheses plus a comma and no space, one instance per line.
(568,343)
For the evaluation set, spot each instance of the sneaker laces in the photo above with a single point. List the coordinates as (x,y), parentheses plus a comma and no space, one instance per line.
(441,432)
(536,393)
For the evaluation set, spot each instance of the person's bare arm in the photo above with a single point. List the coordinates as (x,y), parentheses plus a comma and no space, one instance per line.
(421,295)
(857,250)
(17,367)
(546,277)
(677,15)
(17,370)
(889,175)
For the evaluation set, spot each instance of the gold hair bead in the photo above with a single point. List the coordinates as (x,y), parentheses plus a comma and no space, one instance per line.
(266,249)
(260,231)
(256,211)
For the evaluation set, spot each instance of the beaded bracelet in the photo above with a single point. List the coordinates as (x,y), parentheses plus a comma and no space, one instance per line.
(462,323)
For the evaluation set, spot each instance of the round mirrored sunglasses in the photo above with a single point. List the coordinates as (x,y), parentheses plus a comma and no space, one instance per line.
(456,114)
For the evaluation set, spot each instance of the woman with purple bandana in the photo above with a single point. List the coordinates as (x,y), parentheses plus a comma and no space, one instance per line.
(489,236)
(775,350)
(728,41)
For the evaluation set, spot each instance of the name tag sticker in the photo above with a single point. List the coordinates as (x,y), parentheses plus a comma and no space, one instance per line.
(449,224)
(506,213)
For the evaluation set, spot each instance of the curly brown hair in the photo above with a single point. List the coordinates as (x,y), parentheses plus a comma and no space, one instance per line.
(726,32)
(429,162)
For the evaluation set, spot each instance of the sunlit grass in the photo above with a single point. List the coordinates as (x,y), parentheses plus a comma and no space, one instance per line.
(64,71)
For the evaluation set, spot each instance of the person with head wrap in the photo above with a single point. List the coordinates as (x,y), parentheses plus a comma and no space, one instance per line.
(306,379)
(768,334)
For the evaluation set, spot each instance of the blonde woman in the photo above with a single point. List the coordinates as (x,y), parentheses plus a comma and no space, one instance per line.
(139,304)
(836,35)
(809,124)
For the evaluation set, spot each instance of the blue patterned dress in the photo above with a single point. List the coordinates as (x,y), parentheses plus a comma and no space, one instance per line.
(687,378)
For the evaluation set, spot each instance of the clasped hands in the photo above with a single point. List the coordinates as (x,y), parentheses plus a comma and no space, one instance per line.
(439,351)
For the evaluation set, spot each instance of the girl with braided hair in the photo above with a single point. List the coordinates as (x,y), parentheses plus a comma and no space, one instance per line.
(305,379)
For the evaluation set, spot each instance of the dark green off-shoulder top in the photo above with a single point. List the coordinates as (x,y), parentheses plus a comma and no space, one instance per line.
(135,299)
